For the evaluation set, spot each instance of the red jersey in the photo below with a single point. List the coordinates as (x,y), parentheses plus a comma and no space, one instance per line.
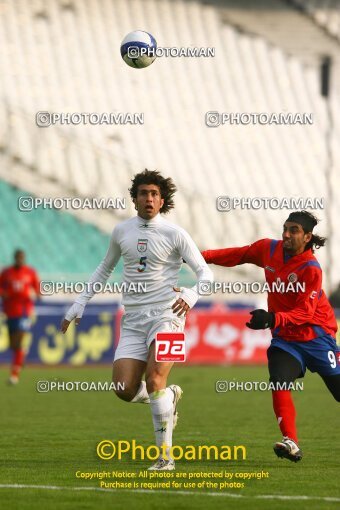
(299,316)
(16,285)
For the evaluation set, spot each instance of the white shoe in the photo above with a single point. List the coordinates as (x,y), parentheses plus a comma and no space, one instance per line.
(288,449)
(13,380)
(163,465)
(178,392)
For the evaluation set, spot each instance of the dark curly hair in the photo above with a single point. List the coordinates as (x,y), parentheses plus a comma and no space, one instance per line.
(308,221)
(166,186)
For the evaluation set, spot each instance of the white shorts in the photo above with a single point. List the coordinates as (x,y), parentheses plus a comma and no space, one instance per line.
(138,329)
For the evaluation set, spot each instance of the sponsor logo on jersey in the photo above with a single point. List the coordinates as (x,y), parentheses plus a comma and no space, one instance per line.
(142,245)
(292,277)
(271,269)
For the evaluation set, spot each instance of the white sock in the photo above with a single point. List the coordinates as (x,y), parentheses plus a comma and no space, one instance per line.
(162,416)
(142,395)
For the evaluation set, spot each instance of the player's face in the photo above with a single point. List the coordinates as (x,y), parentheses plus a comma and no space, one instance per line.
(19,259)
(148,201)
(294,238)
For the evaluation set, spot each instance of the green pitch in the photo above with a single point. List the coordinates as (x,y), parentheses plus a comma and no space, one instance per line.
(47,437)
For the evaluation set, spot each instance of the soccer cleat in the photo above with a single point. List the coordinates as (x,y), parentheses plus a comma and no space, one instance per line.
(13,380)
(178,392)
(163,465)
(288,449)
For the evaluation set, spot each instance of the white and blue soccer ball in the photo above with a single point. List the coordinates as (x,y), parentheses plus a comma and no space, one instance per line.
(138,49)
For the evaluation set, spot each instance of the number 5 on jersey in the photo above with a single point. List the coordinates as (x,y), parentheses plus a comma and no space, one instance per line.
(142,264)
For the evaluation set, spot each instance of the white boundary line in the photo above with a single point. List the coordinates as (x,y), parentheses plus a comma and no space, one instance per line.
(183,493)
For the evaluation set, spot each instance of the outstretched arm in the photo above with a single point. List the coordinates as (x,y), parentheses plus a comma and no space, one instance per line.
(229,257)
(101,275)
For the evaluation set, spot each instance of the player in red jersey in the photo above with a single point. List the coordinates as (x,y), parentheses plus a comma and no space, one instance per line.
(17,284)
(302,323)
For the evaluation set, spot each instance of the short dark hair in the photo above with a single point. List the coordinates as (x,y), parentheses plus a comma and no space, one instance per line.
(165,184)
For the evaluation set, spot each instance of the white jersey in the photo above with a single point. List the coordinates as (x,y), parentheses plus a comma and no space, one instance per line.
(153,252)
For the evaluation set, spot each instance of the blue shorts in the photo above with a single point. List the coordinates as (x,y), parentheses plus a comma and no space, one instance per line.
(321,355)
(19,324)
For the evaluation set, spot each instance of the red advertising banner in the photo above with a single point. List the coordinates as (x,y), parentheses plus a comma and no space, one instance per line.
(219,335)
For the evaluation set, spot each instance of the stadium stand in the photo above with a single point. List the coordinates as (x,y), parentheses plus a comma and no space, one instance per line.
(60,56)
(325,12)
(35,229)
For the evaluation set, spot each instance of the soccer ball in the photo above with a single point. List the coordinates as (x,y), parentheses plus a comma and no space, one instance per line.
(138,49)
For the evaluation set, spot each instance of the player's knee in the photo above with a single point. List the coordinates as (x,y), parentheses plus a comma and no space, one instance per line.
(14,342)
(333,384)
(281,381)
(126,391)
(125,394)
(336,395)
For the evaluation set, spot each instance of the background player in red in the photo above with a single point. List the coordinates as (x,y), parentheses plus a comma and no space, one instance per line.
(18,285)
(303,324)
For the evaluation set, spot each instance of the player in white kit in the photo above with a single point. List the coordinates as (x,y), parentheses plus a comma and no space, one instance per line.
(153,251)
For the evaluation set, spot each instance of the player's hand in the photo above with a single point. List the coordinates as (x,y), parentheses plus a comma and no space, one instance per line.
(75,312)
(180,307)
(261,320)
